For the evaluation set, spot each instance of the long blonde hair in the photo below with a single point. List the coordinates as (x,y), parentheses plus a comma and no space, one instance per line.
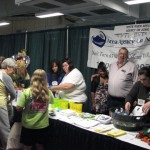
(39,85)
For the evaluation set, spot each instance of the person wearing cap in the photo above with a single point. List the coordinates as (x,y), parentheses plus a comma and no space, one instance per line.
(7,94)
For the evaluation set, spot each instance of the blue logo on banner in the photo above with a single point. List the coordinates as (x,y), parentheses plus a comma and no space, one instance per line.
(99,40)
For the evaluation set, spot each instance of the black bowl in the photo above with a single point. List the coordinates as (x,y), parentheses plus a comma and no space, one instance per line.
(127,122)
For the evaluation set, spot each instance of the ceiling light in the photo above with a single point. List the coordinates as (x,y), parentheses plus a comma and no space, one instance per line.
(48,14)
(132,2)
(4,23)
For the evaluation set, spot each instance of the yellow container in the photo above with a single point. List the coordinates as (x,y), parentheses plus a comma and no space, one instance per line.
(79,108)
(71,105)
(76,106)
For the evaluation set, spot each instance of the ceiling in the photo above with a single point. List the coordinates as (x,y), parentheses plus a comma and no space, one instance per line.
(77,12)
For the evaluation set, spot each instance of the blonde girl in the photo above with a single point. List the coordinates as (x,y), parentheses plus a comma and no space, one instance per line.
(34,102)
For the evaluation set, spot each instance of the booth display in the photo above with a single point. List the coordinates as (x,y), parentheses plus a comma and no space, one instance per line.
(68,136)
(71,130)
(79,131)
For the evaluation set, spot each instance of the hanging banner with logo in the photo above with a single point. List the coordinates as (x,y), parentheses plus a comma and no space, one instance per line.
(104,46)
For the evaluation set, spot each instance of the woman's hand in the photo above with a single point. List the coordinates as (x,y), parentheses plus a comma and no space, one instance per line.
(57,91)
(127,106)
(146,107)
(53,89)
(93,76)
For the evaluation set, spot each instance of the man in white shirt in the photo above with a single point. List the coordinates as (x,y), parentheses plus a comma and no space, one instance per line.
(122,75)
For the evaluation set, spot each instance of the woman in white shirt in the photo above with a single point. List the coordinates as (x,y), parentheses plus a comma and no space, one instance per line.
(73,84)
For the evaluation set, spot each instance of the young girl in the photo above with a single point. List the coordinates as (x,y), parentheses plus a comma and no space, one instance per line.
(55,74)
(34,102)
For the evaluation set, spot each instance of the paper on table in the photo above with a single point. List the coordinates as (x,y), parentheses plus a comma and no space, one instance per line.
(102,128)
(68,112)
(86,123)
(115,133)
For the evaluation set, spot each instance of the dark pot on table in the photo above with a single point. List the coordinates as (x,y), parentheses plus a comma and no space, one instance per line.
(126,122)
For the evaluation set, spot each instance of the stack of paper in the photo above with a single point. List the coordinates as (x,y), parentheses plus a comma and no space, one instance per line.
(86,123)
(68,112)
(103,128)
(115,133)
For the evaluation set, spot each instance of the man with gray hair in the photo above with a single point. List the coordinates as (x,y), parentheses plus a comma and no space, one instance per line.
(7,94)
(122,75)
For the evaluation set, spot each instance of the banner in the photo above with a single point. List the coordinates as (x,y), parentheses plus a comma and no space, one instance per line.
(104,46)
(132,28)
